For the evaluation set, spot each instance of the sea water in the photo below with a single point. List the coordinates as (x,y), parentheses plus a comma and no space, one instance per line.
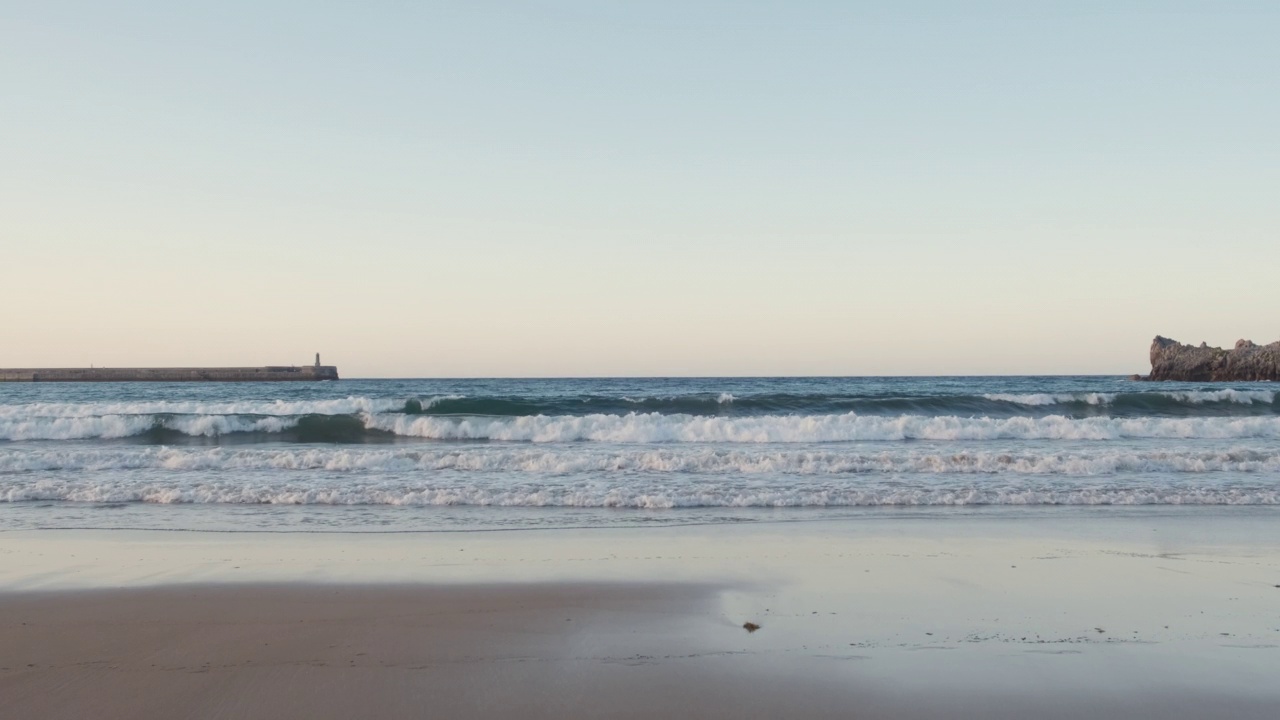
(421,455)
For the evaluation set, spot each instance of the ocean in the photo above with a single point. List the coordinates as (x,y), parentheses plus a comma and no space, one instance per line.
(424,455)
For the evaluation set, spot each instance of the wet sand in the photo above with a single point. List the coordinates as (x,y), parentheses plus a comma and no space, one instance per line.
(1160,615)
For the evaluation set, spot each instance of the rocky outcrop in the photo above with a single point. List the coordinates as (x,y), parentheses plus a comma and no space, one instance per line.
(1171,360)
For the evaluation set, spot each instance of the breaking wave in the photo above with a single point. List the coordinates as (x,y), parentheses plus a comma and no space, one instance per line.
(646,493)
(124,419)
(604,460)
(655,428)
(717,443)
(276,408)
(633,428)
(1186,397)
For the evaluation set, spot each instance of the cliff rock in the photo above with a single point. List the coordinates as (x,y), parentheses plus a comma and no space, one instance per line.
(1171,360)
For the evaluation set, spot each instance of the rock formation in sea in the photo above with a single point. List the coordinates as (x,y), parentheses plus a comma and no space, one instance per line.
(1171,360)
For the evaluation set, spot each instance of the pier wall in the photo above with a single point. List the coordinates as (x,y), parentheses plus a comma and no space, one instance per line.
(271,373)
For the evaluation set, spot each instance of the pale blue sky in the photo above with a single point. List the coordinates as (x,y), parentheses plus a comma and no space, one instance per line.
(600,188)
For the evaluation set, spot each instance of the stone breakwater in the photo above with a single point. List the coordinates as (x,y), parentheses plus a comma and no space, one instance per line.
(270,373)
(1247,361)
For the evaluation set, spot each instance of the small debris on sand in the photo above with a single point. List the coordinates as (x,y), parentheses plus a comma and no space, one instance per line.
(750,627)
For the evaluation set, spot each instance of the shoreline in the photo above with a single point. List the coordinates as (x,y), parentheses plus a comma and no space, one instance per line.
(303,519)
(548,650)
(1144,615)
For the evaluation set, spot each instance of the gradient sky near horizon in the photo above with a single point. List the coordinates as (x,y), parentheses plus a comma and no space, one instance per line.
(583,188)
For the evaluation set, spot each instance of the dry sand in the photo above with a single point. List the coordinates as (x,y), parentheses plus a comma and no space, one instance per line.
(1161,616)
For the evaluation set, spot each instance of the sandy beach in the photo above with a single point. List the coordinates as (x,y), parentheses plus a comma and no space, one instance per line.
(1131,614)
(572,360)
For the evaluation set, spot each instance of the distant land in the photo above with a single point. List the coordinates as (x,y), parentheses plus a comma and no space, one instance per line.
(269,373)
(1246,362)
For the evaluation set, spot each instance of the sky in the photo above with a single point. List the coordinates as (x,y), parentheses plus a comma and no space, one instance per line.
(592,188)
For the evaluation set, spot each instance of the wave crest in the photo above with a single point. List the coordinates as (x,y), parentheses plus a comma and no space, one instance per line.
(850,427)
(645,428)
(1188,397)
(672,460)
(648,494)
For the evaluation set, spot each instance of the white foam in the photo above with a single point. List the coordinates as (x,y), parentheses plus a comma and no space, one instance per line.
(542,460)
(1243,397)
(1037,399)
(658,428)
(645,492)
(75,428)
(121,426)
(1194,397)
(339,406)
